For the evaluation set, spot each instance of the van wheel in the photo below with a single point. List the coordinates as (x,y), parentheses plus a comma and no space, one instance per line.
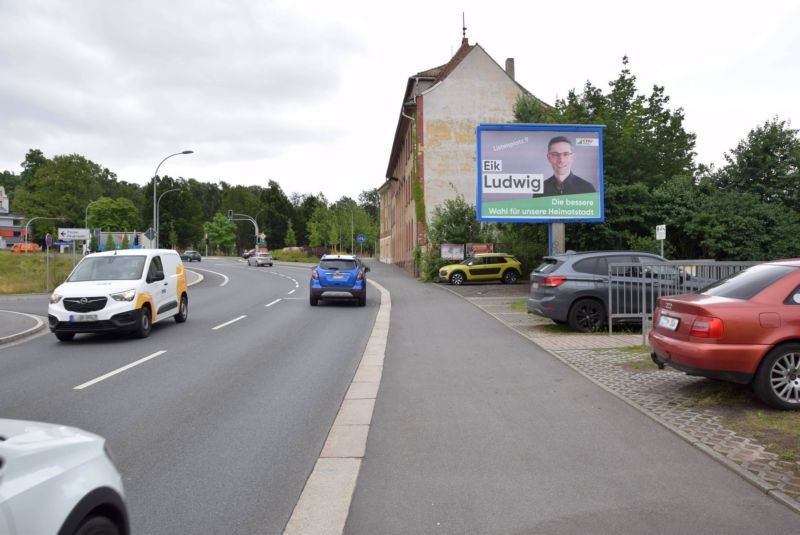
(587,316)
(183,310)
(65,337)
(145,323)
(777,382)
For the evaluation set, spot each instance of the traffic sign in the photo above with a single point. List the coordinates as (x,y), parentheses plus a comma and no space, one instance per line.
(661,232)
(150,233)
(361,238)
(70,234)
(48,239)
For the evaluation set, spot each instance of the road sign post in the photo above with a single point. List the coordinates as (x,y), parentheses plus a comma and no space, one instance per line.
(661,235)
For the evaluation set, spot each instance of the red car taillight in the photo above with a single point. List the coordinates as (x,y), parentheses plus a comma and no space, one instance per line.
(552,282)
(705,327)
(360,275)
(314,274)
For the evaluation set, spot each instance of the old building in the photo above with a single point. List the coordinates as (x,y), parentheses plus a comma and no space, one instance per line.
(434,144)
(11,230)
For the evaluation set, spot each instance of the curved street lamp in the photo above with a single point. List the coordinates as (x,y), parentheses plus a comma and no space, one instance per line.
(155,199)
(86,215)
(31,220)
(158,210)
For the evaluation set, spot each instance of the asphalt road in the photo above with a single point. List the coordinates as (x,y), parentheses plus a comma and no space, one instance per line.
(475,429)
(218,433)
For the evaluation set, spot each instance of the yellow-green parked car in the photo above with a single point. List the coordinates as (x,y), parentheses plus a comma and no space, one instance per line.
(483,267)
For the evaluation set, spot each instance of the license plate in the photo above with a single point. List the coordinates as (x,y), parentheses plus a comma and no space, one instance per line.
(338,276)
(535,285)
(668,322)
(83,317)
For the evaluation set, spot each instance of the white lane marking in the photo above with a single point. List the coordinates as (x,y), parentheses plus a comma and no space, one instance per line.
(270,304)
(234,320)
(225,277)
(119,370)
(290,293)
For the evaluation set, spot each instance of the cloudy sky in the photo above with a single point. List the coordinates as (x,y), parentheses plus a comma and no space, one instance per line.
(308,93)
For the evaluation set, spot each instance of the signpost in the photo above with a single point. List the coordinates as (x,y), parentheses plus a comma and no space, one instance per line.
(361,239)
(661,235)
(72,234)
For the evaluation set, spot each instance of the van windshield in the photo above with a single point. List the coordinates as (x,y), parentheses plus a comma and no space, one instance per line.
(108,268)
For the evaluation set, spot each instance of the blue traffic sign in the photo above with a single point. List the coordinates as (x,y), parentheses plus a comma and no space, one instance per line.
(361,238)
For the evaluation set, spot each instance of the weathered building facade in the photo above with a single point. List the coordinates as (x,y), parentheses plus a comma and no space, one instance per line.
(433,156)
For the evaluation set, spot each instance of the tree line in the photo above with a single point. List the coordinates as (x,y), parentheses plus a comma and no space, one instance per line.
(86,193)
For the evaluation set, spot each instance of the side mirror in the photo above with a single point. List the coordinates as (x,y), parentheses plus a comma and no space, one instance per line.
(366,269)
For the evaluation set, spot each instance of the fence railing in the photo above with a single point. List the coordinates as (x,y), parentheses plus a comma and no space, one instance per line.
(634,287)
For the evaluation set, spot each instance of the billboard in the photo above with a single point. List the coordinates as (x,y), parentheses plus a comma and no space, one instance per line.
(540,173)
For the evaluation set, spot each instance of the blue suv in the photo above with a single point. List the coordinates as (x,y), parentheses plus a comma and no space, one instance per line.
(337,277)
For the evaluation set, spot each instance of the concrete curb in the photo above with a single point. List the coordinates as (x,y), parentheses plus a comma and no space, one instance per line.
(41,324)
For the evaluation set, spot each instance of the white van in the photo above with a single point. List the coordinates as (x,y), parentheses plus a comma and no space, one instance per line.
(124,291)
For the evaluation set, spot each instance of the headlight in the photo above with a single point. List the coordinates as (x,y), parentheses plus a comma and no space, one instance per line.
(55,298)
(127,295)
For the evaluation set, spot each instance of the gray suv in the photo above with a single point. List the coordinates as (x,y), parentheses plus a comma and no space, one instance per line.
(572,288)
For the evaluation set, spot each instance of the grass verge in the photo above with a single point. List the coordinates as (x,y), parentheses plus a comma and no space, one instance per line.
(22,273)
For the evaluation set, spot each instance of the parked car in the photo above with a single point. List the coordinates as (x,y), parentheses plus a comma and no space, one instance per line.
(58,479)
(247,254)
(260,259)
(125,291)
(483,267)
(23,247)
(572,288)
(337,277)
(191,256)
(742,329)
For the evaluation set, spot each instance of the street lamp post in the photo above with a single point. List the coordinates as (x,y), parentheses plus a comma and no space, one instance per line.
(155,199)
(158,210)
(31,220)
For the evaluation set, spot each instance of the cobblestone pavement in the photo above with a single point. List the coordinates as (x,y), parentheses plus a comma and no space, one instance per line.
(659,394)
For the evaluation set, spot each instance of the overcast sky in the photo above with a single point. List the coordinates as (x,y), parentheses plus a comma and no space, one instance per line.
(308,93)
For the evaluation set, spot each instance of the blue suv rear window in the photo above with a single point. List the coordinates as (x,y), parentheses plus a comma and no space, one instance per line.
(343,265)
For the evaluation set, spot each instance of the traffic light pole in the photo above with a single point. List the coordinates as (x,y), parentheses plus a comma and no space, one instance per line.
(245,217)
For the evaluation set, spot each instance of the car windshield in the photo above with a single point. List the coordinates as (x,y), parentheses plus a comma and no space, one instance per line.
(108,268)
(747,283)
(338,263)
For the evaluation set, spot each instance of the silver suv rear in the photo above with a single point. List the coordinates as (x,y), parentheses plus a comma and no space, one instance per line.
(572,288)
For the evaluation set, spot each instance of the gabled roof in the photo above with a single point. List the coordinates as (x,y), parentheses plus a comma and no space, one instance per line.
(433,76)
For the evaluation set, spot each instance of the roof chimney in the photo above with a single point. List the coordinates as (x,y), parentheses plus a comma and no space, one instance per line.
(510,67)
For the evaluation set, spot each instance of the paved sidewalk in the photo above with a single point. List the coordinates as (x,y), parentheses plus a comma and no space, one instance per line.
(658,394)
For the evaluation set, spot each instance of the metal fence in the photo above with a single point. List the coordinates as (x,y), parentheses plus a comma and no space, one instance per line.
(634,287)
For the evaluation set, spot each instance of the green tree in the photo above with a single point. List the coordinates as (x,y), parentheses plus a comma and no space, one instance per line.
(644,145)
(319,227)
(221,233)
(110,243)
(765,164)
(455,221)
(125,242)
(113,215)
(290,240)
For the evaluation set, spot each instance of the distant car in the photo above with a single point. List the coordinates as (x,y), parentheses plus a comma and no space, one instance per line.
(572,288)
(337,277)
(742,329)
(483,267)
(22,247)
(248,254)
(191,256)
(58,479)
(260,259)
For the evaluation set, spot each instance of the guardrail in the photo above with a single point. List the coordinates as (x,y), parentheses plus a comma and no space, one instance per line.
(634,287)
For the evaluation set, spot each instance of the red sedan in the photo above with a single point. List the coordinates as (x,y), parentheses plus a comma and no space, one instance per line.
(744,329)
